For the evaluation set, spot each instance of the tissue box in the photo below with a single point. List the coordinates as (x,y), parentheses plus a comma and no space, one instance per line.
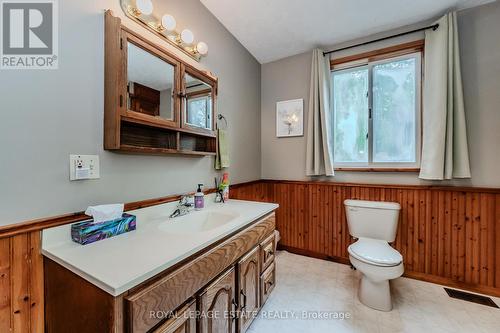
(87,232)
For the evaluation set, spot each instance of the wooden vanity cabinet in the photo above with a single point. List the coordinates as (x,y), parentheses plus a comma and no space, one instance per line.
(225,278)
(217,305)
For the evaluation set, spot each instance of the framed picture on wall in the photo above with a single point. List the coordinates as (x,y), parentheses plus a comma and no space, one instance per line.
(290,118)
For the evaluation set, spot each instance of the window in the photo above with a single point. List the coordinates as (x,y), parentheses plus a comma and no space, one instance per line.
(200,110)
(376,112)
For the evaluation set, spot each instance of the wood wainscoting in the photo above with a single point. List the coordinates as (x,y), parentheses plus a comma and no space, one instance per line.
(21,283)
(447,235)
(21,268)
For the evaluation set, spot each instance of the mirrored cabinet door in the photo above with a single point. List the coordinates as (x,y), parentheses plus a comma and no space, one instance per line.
(198,103)
(152,85)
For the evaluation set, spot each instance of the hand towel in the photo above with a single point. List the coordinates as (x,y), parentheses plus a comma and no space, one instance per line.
(222,157)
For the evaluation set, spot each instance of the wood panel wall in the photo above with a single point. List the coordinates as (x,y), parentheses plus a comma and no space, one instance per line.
(446,235)
(21,283)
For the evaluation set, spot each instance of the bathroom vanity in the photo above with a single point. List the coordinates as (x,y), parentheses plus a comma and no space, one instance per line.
(207,271)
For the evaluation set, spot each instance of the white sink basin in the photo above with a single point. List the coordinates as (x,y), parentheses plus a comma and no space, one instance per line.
(197,222)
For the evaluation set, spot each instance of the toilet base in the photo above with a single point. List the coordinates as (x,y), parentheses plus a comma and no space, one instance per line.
(376,295)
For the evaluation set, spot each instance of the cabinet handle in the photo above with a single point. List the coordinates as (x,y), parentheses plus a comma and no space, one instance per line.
(269,284)
(233,312)
(244,301)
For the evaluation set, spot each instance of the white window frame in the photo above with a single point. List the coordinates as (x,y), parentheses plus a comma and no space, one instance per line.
(418,113)
(208,105)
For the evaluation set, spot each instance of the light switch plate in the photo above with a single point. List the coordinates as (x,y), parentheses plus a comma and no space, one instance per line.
(83,167)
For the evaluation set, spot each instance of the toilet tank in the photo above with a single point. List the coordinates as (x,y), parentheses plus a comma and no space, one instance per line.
(372,219)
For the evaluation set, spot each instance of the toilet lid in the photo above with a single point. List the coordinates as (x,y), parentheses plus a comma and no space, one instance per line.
(374,251)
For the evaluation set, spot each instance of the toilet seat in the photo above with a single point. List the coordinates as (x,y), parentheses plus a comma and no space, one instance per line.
(375,252)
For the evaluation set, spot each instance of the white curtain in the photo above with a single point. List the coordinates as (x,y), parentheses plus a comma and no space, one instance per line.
(318,153)
(444,141)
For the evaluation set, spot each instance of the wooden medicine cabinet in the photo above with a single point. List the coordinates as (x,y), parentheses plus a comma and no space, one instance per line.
(155,103)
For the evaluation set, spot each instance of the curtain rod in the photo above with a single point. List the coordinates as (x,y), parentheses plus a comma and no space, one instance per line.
(433,27)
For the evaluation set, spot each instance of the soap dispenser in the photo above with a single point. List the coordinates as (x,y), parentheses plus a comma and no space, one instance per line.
(199,198)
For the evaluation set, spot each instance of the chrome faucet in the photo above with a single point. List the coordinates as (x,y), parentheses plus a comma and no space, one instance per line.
(183,206)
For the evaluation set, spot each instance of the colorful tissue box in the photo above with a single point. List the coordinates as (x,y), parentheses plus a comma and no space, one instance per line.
(87,232)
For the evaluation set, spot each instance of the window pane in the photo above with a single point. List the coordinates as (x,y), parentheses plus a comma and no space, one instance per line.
(350,107)
(394,107)
(199,111)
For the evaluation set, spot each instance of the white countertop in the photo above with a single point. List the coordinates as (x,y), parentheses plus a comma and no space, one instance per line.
(120,263)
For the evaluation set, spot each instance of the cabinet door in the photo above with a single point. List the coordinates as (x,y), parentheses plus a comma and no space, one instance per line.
(248,282)
(217,305)
(198,105)
(184,321)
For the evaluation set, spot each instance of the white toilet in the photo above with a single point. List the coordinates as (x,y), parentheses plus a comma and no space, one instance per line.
(374,224)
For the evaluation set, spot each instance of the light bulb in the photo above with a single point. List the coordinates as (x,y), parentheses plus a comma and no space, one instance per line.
(168,22)
(187,36)
(202,48)
(144,6)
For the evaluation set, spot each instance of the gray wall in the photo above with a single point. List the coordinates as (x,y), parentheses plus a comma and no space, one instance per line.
(47,115)
(289,79)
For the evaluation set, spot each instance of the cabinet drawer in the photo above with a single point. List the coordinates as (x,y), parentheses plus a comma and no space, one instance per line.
(184,321)
(267,252)
(267,283)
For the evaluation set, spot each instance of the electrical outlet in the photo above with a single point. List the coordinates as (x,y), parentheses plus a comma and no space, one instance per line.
(83,167)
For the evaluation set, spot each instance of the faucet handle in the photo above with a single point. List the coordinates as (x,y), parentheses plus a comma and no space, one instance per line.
(185,200)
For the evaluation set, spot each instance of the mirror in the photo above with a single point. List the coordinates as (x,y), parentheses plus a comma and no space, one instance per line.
(198,105)
(151,83)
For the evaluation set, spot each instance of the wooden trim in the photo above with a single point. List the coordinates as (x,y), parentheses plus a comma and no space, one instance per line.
(54,221)
(379,54)
(113,76)
(378,169)
(494,190)
(195,94)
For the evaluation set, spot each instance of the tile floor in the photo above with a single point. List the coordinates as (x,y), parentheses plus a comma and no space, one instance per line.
(320,287)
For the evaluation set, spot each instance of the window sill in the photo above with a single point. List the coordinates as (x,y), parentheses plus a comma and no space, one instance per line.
(379,169)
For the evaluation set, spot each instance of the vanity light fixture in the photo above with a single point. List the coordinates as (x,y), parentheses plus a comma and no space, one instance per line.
(187,37)
(141,11)
(168,22)
(144,7)
(202,48)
